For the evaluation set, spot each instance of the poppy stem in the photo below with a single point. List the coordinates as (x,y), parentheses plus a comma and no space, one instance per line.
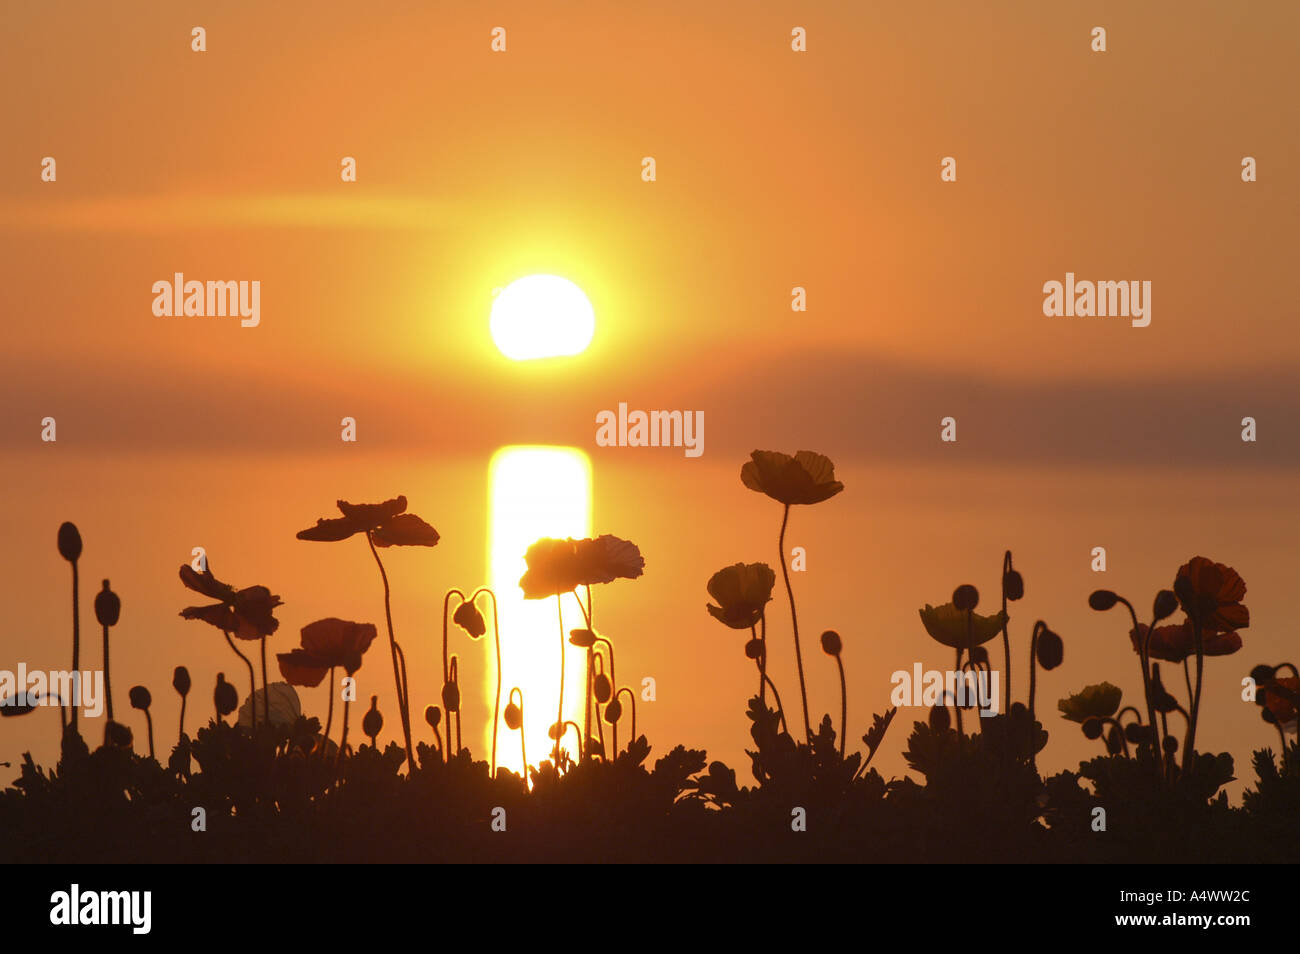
(844,704)
(600,729)
(76,635)
(266,689)
(180,732)
(631,695)
(446,604)
(329,717)
(496,710)
(1006,637)
(780,709)
(762,661)
(343,742)
(149,722)
(1189,753)
(252,680)
(794,623)
(559,719)
(957,708)
(108,686)
(402,708)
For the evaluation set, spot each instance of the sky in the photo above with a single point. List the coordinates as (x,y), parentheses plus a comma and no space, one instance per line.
(775,169)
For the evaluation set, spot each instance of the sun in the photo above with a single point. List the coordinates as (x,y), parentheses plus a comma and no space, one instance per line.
(542,316)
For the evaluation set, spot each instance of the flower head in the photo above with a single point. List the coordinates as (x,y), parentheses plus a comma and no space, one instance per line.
(246,613)
(1211,593)
(947,625)
(1177,642)
(1091,702)
(805,478)
(742,591)
(326,643)
(468,618)
(1282,698)
(387,523)
(558,566)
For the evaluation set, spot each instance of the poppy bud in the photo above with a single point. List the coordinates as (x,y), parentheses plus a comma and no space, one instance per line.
(374,720)
(979,656)
(1170,744)
(582,637)
(939,718)
(754,649)
(556,731)
(433,716)
(514,717)
(225,696)
(468,618)
(1165,604)
(1013,585)
(601,688)
(831,644)
(1114,741)
(115,733)
(107,606)
(613,712)
(140,698)
(1266,714)
(1102,600)
(1019,711)
(1050,649)
(69,542)
(451,697)
(1092,728)
(965,597)
(1136,733)
(181,681)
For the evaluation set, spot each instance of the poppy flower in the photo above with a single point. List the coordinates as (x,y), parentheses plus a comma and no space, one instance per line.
(387,523)
(1177,642)
(1212,592)
(559,566)
(805,478)
(244,613)
(1092,702)
(326,643)
(1280,697)
(947,625)
(742,592)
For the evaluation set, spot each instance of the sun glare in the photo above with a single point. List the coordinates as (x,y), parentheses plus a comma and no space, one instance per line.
(535,492)
(542,316)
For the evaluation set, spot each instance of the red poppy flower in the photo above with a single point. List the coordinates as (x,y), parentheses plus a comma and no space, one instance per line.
(558,566)
(246,613)
(326,643)
(1178,642)
(1282,703)
(1212,592)
(387,523)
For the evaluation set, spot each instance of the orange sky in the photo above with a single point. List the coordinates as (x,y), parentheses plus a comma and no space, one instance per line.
(774,169)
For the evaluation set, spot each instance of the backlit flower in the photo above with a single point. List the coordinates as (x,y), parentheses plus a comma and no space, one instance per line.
(387,523)
(1177,642)
(805,478)
(742,591)
(326,643)
(1212,593)
(559,566)
(246,613)
(947,625)
(1091,702)
(1280,698)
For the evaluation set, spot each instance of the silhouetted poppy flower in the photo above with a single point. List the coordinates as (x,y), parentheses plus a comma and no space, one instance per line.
(559,566)
(947,625)
(1100,701)
(742,591)
(583,638)
(1177,642)
(108,608)
(326,643)
(387,523)
(805,478)
(468,618)
(245,614)
(1212,592)
(1280,698)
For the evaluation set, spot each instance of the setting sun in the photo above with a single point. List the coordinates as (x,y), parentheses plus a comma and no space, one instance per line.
(542,316)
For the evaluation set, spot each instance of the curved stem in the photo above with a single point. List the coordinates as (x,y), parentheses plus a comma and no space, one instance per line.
(1006,637)
(455,679)
(613,683)
(631,695)
(252,683)
(794,623)
(1199,637)
(600,729)
(762,661)
(402,707)
(844,705)
(266,689)
(559,718)
(149,721)
(496,710)
(180,733)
